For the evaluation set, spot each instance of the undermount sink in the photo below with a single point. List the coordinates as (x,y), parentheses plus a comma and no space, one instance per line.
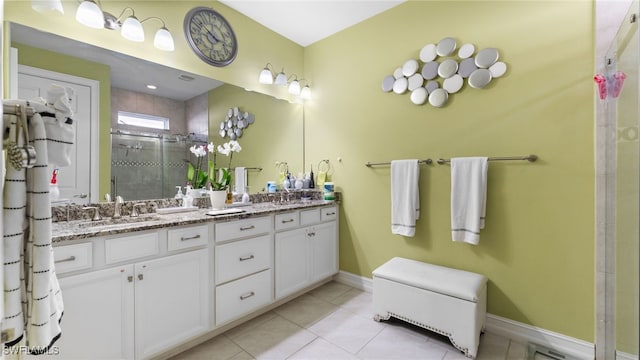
(121,221)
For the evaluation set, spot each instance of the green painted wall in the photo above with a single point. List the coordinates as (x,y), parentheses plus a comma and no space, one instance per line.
(276,134)
(61,63)
(538,245)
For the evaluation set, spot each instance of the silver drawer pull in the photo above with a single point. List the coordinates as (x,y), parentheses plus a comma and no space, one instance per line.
(245,258)
(247,228)
(331,213)
(287,221)
(190,238)
(247,295)
(70,258)
(312,234)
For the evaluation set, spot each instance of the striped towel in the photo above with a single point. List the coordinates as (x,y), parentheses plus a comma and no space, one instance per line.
(33,301)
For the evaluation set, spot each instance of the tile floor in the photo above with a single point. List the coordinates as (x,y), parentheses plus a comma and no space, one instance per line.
(335,322)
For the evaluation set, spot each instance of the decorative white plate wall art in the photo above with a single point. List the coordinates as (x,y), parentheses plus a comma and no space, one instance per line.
(234,122)
(444,71)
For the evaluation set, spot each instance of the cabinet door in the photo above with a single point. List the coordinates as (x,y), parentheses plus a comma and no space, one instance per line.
(292,254)
(98,315)
(324,250)
(172,301)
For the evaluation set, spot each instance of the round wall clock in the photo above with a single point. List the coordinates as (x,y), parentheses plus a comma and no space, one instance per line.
(210,36)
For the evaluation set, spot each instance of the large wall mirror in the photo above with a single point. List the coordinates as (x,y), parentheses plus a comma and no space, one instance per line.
(145,163)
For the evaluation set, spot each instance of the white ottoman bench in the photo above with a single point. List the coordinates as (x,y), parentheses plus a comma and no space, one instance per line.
(447,301)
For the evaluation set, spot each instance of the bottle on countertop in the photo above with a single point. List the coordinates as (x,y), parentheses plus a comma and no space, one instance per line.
(54,192)
(312,184)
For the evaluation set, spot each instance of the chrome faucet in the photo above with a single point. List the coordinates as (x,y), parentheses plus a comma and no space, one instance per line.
(116,207)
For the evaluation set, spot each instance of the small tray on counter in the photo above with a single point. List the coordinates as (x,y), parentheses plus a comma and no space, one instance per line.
(179,209)
(224,211)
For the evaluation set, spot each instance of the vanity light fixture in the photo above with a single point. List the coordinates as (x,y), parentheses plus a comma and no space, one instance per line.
(305,93)
(294,86)
(90,14)
(266,75)
(281,78)
(132,28)
(46,5)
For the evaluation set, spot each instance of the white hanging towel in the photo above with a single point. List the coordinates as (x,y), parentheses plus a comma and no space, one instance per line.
(240,179)
(405,196)
(468,198)
(59,125)
(33,301)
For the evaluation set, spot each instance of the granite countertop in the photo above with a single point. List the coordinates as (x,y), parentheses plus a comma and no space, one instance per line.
(84,229)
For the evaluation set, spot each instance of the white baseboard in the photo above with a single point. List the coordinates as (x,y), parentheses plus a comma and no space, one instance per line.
(625,356)
(524,333)
(353,280)
(508,328)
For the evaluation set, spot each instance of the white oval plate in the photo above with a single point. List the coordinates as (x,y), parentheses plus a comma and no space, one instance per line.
(453,84)
(419,96)
(400,85)
(428,53)
(415,81)
(410,67)
(466,51)
(498,69)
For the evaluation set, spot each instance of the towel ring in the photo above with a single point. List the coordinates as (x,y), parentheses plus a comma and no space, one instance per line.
(324,162)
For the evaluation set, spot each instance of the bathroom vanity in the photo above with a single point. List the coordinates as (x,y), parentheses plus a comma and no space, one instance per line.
(140,289)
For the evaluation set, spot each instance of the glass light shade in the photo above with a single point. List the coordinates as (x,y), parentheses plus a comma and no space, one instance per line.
(132,29)
(163,40)
(89,14)
(266,76)
(281,79)
(46,5)
(294,87)
(306,93)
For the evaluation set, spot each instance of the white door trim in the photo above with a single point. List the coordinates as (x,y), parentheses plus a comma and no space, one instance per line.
(94,114)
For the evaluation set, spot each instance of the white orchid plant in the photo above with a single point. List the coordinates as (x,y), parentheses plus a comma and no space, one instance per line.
(198,178)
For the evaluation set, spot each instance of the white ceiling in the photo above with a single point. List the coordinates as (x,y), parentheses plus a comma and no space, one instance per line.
(307,21)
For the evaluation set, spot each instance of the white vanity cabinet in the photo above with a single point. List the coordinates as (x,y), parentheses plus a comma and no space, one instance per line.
(128,307)
(98,320)
(243,267)
(308,253)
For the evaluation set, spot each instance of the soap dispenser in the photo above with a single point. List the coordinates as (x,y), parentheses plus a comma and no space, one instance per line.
(179,192)
(187,200)
(54,192)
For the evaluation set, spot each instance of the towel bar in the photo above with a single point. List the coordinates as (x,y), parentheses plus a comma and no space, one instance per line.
(369,164)
(530,158)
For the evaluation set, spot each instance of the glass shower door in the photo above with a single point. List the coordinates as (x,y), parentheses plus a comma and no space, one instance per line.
(623,61)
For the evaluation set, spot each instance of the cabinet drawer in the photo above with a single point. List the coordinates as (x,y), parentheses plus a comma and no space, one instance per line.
(309,216)
(187,237)
(74,257)
(287,220)
(242,228)
(242,296)
(328,213)
(130,247)
(241,258)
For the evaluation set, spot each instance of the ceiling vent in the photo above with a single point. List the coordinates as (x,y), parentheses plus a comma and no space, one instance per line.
(186,77)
